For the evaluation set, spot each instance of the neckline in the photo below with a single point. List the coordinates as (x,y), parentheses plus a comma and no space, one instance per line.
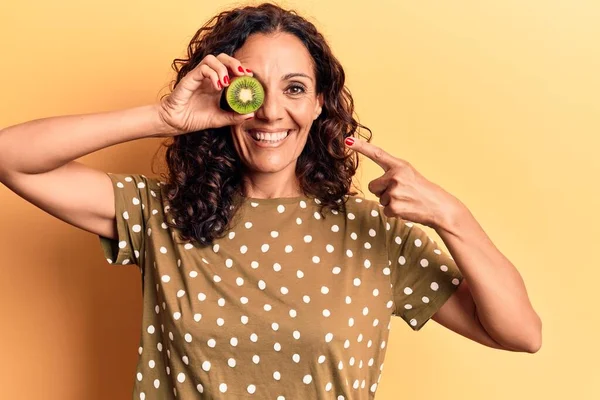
(276,200)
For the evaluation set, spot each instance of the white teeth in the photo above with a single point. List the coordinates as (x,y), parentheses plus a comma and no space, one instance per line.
(274,137)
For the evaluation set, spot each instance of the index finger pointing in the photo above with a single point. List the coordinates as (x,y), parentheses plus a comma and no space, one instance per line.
(375,153)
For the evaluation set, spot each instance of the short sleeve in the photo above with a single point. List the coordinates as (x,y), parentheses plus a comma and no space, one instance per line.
(134,196)
(423,277)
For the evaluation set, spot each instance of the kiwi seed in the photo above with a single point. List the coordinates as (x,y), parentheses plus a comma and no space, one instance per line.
(244,94)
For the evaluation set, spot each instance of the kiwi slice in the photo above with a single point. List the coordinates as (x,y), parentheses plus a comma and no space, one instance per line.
(244,95)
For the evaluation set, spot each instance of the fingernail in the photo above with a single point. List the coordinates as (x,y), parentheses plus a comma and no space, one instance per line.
(247,70)
(226,80)
(349,141)
(219,85)
(249,118)
(240,69)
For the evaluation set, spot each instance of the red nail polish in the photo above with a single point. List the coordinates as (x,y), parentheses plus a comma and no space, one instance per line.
(219,85)
(240,69)
(349,141)
(249,118)
(247,70)
(226,80)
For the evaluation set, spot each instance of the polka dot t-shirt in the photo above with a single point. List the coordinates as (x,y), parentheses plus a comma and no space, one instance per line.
(290,304)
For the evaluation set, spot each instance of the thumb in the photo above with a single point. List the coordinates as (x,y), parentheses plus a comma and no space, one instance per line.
(233,118)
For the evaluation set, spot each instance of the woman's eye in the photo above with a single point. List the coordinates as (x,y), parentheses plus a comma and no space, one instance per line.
(296,89)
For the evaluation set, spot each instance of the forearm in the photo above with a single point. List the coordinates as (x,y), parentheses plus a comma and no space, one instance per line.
(498,290)
(45,144)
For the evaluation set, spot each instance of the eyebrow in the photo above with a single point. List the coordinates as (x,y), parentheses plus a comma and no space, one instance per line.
(286,76)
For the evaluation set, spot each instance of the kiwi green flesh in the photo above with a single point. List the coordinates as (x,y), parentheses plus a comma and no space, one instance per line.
(245,94)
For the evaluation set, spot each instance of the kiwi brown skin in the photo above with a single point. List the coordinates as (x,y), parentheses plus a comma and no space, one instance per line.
(234,85)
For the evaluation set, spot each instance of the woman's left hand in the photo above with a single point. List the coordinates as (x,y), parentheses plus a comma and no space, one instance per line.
(405,193)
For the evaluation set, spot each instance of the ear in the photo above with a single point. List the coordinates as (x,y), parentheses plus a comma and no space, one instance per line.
(319,106)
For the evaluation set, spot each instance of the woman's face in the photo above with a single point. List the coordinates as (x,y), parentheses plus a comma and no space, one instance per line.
(285,68)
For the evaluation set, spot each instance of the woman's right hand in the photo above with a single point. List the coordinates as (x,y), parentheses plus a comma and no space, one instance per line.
(194,103)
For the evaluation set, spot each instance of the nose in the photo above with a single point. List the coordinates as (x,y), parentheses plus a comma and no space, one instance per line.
(271,109)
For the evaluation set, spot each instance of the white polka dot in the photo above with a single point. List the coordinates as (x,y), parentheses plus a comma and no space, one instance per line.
(262,285)
(255,359)
(176,315)
(356,282)
(206,366)
(231,362)
(434,286)
(201,296)
(407,290)
(296,358)
(200,388)
(329,248)
(233,341)
(326,313)
(136,228)
(284,290)
(299,274)
(321,359)
(335,228)
(185,360)
(288,248)
(324,289)
(165,278)
(293,313)
(156,383)
(223,387)
(244,300)
(217,278)
(180,293)
(277,347)
(163,250)
(139,376)
(181,377)
(276,267)
(122,244)
(188,338)
(280,208)
(316,259)
(306,298)
(221,302)
(254,337)
(248,225)
(418,242)
(264,248)
(328,337)
(307,379)
(251,389)
(296,335)
(336,270)
(231,235)
(211,342)
(276,375)
(151,329)
(193,274)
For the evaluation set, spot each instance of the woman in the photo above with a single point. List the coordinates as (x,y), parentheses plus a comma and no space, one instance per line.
(263,275)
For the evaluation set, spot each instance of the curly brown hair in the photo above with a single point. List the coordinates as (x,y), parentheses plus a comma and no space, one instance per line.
(204,170)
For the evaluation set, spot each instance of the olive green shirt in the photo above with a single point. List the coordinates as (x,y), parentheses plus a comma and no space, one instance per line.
(290,304)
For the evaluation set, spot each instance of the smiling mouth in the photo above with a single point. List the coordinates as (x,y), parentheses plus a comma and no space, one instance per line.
(268,137)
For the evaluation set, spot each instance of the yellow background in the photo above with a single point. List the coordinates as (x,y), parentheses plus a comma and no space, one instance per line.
(496,101)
